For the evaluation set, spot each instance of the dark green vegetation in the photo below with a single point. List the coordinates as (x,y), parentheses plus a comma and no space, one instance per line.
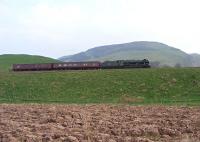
(6,61)
(154,51)
(132,86)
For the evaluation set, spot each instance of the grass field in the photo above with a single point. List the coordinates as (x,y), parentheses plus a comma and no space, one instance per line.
(7,60)
(131,86)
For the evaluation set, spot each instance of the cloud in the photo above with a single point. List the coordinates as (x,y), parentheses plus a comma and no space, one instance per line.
(4,10)
(52,17)
(66,27)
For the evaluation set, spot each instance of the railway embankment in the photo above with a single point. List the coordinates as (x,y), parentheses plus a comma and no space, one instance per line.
(120,86)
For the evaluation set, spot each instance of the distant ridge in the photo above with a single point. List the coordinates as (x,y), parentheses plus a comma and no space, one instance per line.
(154,51)
(7,60)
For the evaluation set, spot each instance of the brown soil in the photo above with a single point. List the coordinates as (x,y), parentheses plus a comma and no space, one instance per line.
(98,123)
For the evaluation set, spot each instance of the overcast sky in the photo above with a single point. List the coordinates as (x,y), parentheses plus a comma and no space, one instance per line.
(61,27)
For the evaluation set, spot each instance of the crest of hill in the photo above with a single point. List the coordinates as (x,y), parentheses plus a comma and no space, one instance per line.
(154,51)
(7,60)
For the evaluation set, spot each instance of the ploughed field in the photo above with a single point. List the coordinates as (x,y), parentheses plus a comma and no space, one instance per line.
(98,123)
(124,86)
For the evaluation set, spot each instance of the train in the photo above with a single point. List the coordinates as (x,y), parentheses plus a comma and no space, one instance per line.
(89,65)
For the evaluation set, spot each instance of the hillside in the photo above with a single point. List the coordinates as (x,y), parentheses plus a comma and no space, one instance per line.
(154,51)
(195,59)
(143,86)
(7,60)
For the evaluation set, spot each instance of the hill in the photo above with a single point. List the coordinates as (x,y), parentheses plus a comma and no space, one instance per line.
(134,86)
(7,60)
(154,51)
(195,59)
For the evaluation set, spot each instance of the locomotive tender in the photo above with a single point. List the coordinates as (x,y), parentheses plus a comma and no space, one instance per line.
(89,65)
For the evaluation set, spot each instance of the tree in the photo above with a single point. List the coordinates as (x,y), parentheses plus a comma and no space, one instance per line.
(178,65)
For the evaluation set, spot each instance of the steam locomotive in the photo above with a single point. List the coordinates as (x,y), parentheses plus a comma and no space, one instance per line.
(90,65)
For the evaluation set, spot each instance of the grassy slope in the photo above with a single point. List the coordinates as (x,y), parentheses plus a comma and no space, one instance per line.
(103,86)
(6,61)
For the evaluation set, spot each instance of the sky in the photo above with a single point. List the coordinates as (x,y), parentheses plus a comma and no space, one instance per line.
(55,28)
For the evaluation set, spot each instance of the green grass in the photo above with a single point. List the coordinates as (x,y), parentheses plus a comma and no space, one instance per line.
(130,86)
(7,60)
